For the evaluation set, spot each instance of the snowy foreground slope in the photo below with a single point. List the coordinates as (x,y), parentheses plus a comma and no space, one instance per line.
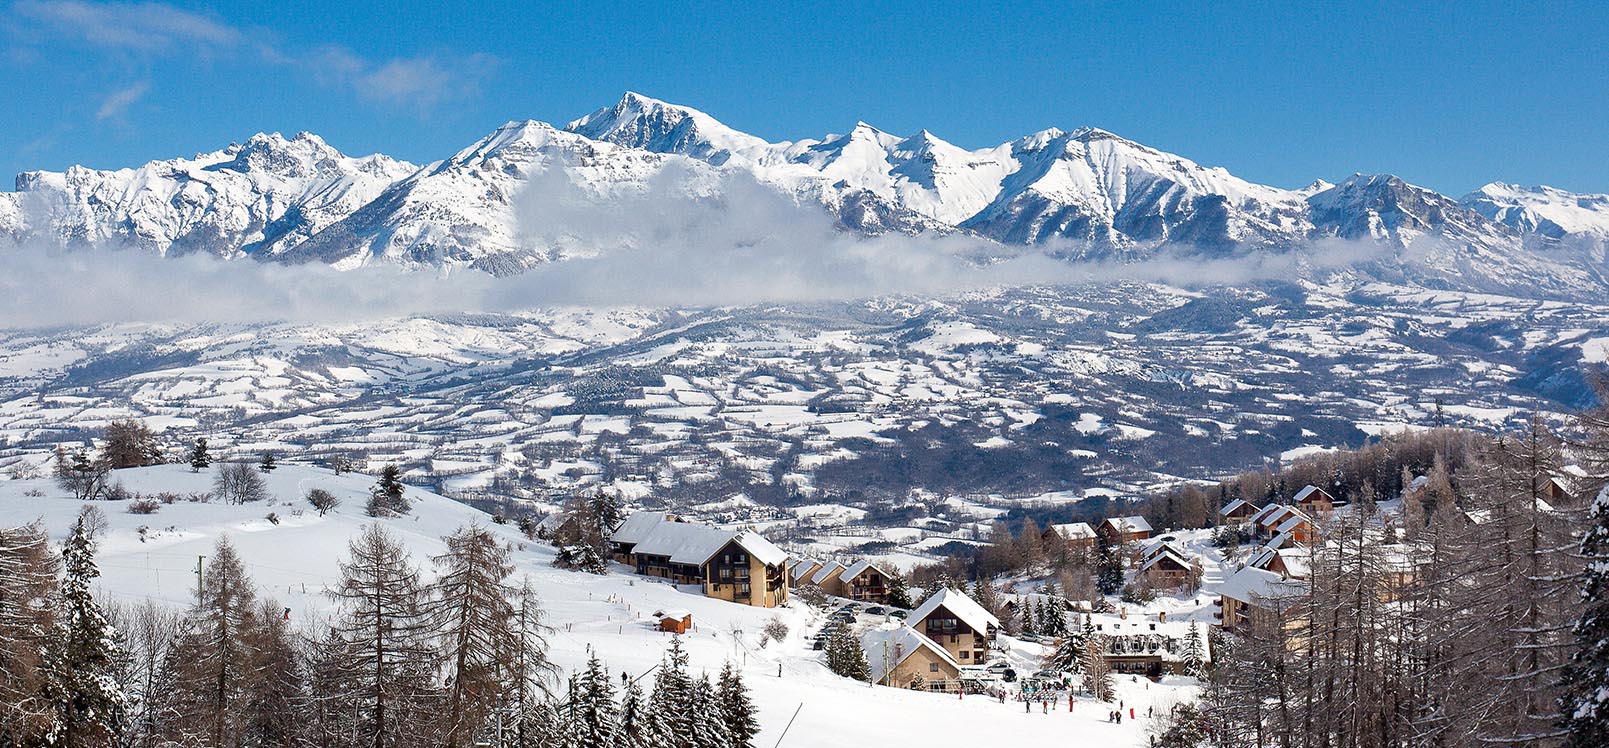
(294,560)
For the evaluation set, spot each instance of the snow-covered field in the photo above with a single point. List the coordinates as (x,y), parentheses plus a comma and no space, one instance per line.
(296,558)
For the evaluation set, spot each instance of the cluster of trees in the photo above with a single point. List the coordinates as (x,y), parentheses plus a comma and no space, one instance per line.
(581,533)
(1382,468)
(454,662)
(845,657)
(1471,617)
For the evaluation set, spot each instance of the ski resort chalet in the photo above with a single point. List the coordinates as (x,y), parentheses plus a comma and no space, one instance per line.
(901,656)
(957,623)
(1150,647)
(1120,530)
(740,567)
(1077,535)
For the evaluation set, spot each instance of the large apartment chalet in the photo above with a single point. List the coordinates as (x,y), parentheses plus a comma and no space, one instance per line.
(741,567)
(957,623)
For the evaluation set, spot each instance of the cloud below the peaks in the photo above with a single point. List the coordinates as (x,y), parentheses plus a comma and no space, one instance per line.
(690,237)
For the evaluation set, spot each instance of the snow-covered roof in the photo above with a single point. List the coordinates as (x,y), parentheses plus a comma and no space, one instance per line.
(857,568)
(964,608)
(1252,582)
(761,549)
(1075,530)
(1235,506)
(1307,493)
(1264,513)
(1158,545)
(826,572)
(1122,635)
(804,568)
(1129,524)
(690,543)
(683,542)
(1296,562)
(900,642)
(678,614)
(637,526)
(1168,553)
(1291,524)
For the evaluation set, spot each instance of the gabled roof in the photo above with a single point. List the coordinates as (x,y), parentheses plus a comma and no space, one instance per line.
(827,571)
(1264,513)
(858,568)
(805,567)
(900,643)
(964,608)
(1158,545)
(1166,554)
(1252,583)
(1292,523)
(684,542)
(1235,506)
(758,547)
(1307,493)
(637,526)
(1074,530)
(1128,524)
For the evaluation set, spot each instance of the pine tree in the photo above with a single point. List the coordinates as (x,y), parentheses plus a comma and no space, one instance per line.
(671,703)
(386,651)
(268,463)
(387,497)
(899,593)
(474,618)
(845,657)
(1109,569)
(81,666)
(1585,703)
(1194,656)
(594,715)
(709,719)
(1068,656)
(634,718)
(742,721)
(1029,619)
(28,588)
(200,459)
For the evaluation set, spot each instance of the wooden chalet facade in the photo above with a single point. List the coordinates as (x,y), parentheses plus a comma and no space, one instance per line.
(901,657)
(861,582)
(1315,501)
(1237,512)
(1122,530)
(957,623)
(1078,536)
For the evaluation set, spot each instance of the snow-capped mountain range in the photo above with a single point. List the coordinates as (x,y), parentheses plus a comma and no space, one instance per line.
(1080,193)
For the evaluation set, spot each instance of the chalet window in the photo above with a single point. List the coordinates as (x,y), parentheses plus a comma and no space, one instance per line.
(965,654)
(932,667)
(726,573)
(743,588)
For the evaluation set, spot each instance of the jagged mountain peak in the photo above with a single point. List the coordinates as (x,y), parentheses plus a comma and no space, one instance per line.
(638,121)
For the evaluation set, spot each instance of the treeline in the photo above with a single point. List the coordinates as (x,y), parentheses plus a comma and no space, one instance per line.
(1471,617)
(1379,470)
(458,661)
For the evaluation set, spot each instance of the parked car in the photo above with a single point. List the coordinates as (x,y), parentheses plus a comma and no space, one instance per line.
(876,611)
(900,614)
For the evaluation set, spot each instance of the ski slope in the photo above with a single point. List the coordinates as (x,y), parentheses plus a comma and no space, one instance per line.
(294,560)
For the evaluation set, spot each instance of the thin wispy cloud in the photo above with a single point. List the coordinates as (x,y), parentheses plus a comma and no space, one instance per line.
(152,30)
(120,100)
(142,27)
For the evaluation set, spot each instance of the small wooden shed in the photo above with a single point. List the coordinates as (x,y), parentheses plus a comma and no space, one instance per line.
(675,621)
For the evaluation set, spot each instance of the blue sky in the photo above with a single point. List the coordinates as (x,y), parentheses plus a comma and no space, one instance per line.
(1279,93)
